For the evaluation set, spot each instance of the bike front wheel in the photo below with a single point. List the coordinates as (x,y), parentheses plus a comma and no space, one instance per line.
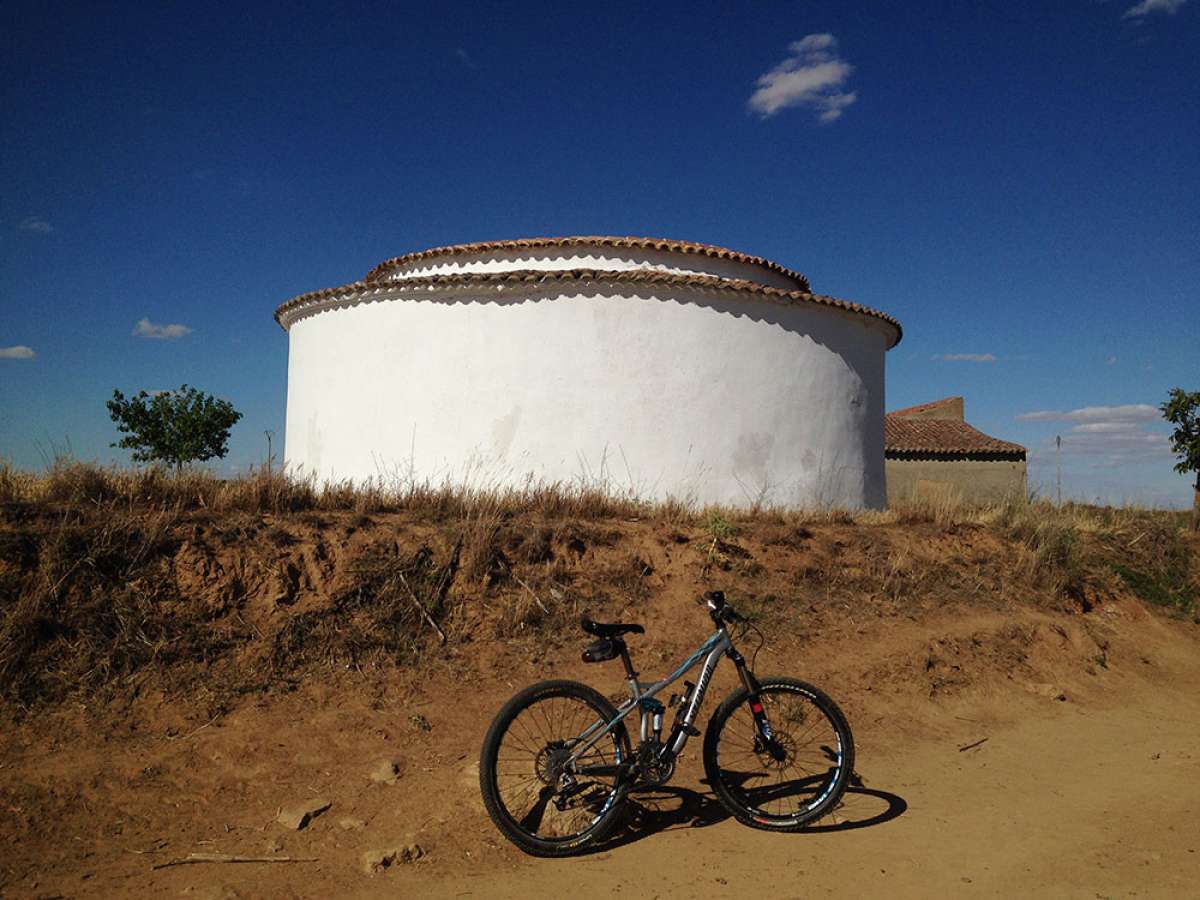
(541,802)
(797,780)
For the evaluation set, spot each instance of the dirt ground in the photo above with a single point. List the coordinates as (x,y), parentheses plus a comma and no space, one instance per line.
(1025,723)
(1065,802)
(1083,786)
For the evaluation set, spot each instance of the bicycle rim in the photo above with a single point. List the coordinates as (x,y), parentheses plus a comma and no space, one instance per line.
(810,776)
(531,794)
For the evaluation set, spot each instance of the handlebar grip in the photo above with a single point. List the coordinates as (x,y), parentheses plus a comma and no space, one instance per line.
(715,600)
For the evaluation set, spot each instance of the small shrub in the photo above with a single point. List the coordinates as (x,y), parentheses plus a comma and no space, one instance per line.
(1168,588)
(719,526)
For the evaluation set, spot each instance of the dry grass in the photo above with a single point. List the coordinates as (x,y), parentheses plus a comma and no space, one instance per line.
(89,598)
(265,492)
(276,493)
(382,618)
(82,606)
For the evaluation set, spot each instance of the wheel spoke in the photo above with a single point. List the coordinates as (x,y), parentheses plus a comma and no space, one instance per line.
(790,789)
(533,789)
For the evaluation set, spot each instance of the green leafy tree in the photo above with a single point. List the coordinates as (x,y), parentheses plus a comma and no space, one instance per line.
(174,427)
(1183,411)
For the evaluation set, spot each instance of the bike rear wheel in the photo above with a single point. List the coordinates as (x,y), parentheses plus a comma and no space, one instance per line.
(807,775)
(534,801)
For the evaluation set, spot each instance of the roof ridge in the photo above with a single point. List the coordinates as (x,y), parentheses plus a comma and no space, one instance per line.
(644,243)
(921,407)
(467,279)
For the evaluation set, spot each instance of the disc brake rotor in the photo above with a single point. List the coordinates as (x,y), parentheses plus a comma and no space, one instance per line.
(550,762)
(785,742)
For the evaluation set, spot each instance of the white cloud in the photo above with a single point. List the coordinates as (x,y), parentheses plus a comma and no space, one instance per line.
(966,357)
(147,329)
(465,58)
(1119,446)
(36,224)
(20,351)
(1106,428)
(1130,412)
(812,76)
(1110,436)
(1107,448)
(1146,7)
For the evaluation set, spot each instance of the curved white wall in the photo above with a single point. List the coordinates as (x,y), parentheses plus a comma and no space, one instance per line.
(663,388)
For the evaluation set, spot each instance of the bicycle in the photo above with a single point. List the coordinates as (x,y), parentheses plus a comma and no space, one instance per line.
(557,763)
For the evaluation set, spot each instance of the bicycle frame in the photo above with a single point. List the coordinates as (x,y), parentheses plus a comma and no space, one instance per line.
(710,651)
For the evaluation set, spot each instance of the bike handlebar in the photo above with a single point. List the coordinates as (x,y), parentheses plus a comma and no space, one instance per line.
(720,610)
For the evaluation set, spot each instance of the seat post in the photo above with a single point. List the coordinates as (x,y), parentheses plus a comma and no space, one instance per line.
(629,673)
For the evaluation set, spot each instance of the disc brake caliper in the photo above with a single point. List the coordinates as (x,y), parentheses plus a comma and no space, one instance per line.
(764,738)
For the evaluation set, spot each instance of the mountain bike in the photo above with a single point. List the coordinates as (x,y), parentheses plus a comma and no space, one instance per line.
(557,763)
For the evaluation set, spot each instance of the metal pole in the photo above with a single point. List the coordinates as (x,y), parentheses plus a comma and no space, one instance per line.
(1058,465)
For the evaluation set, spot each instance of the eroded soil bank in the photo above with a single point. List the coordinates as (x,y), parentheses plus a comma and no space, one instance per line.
(233,667)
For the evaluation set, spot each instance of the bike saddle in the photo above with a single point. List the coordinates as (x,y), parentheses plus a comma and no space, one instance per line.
(614,629)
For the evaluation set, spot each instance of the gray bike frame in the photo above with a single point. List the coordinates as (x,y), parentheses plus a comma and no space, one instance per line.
(711,651)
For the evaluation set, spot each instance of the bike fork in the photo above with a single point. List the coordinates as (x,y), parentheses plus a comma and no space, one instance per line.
(761,724)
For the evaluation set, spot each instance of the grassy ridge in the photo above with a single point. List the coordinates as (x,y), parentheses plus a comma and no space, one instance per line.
(111,576)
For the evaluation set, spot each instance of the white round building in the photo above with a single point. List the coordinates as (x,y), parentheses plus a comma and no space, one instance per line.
(662,368)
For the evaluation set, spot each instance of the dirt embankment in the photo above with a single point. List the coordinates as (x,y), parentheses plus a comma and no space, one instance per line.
(172,680)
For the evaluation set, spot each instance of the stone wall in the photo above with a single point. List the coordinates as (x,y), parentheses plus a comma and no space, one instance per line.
(971,480)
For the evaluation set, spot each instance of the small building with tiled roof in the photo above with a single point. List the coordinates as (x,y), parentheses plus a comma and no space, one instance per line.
(931,451)
(660,368)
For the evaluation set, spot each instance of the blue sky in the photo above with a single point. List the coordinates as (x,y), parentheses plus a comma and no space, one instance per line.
(1016,182)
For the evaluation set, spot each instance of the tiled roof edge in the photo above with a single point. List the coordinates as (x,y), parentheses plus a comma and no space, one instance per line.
(641,243)
(460,280)
(1000,449)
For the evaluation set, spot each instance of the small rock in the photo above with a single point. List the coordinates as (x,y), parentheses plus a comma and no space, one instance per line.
(387,771)
(351,824)
(419,722)
(1049,691)
(218,892)
(468,780)
(274,846)
(375,861)
(297,817)
(410,853)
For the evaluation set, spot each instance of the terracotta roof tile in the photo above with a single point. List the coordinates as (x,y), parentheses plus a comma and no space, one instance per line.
(498,280)
(640,243)
(941,436)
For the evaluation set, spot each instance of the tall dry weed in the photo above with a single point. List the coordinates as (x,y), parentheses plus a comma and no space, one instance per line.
(92,608)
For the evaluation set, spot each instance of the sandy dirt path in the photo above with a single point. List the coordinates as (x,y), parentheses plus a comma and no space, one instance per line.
(1096,795)
(1067,802)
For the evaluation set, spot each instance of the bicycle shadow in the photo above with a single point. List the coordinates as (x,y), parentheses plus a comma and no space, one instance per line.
(652,811)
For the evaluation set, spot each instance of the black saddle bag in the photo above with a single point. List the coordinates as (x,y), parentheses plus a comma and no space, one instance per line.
(602,650)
